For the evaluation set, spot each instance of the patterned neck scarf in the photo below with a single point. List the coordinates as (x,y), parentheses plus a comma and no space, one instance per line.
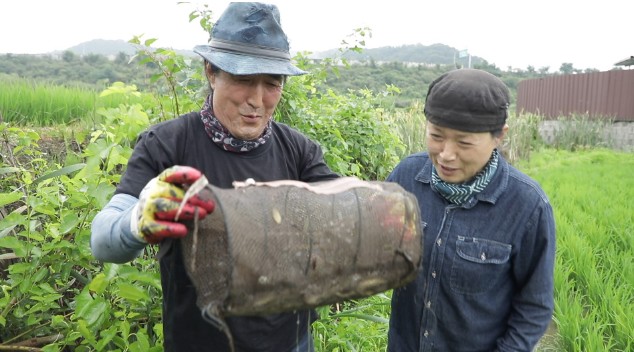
(221,135)
(460,193)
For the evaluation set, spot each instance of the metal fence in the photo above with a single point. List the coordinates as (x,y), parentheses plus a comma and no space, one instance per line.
(598,95)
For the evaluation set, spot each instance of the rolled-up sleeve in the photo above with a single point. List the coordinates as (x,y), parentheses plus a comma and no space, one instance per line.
(111,238)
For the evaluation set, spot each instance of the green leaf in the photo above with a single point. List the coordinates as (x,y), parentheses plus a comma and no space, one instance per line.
(142,343)
(8,198)
(63,171)
(40,274)
(111,270)
(124,327)
(92,310)
(69,223)
(58,321)
(51,348)
(152,278)
(18,247)
(149,42)
(8,170)
(82,327)
(25,285)
(98,284)
(7,230)
(106,337)
(51,298)
(373,318)
(102,193)
(132,292)
(46,287)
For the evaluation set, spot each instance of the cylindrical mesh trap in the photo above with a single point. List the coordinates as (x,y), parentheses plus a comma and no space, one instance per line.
(286,245)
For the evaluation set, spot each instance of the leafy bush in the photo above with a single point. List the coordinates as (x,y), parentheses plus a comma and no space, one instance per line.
(354,130)
(55,293)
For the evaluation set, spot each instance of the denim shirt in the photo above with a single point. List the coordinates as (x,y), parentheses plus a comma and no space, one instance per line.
(486,282)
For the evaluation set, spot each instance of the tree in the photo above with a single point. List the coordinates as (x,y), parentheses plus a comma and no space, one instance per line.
(68,56)
(122,58)
(544,70)
(566,68)
(94,59)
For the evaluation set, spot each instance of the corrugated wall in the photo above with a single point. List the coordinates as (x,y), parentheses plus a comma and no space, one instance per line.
(598,94)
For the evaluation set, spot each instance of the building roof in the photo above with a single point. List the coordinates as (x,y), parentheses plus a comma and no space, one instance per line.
(627,62)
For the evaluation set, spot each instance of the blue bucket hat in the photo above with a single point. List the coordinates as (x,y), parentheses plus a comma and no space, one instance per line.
(248,39)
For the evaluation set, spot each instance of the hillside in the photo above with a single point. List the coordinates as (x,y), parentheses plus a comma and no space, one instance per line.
(103,47)
(112,48)
(435,54)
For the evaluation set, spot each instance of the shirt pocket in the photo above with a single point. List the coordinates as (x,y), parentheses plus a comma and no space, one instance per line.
(478,264)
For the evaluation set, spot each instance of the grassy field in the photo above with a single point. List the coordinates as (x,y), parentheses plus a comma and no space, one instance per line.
(592,193)
(36,103)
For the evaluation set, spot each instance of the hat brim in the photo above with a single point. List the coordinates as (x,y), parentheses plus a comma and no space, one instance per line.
(242,64)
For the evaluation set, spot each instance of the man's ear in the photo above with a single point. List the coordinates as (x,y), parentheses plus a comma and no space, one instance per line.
(211,76)
(500,138)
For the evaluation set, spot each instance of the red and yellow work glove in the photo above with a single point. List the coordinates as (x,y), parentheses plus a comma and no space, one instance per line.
(154,216)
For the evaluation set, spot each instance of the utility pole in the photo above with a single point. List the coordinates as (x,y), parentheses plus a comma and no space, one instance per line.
(464,53)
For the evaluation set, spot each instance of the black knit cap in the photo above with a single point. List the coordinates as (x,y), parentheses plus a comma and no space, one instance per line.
(468,100)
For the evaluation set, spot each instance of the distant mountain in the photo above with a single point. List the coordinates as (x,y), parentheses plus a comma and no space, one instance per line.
(427,54)
(112,48)
(103,47)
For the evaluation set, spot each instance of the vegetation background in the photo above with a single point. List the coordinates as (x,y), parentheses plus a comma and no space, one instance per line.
(68,128)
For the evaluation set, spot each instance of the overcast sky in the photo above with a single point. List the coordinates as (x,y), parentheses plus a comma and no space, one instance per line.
(504,32)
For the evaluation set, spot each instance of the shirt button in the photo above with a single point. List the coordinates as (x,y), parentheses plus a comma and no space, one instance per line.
(439,241)
(433,274)
(428,304)
(426,333)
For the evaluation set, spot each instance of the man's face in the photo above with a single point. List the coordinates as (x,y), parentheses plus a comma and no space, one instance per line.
(458,156)
(245,104)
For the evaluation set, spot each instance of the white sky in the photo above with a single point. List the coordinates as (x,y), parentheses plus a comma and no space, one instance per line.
(507,33)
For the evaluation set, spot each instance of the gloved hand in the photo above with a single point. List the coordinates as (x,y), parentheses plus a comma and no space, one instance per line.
(154,216)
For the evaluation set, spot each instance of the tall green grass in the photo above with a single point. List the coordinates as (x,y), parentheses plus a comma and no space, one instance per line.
(522,137)
(38,103)
(410,125)
(581,131)
(592,194)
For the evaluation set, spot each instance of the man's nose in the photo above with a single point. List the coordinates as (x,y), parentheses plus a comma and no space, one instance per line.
(256,94)
(448,151)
